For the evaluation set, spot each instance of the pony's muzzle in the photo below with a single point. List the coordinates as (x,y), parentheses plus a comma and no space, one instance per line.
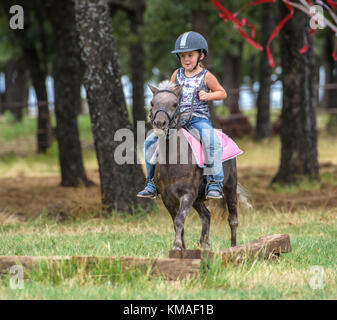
(160,124)
(159,132)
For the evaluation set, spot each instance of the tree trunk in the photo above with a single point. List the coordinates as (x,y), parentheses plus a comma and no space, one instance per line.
(232,80)
(331,77)
(200,23)
(67,73)
(237,124)
(263,124)
(137,63)
(38,76)
(119,183)
(298,124)
(16,87)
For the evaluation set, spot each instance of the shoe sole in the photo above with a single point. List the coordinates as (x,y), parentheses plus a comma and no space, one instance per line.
(147,197)
(210,197)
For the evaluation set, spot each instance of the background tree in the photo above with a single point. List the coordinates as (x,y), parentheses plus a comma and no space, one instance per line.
(298,125)
(67,74)
(263,123)
(331,81)
(134,10)
(29,39)
(16,83)
(119,183)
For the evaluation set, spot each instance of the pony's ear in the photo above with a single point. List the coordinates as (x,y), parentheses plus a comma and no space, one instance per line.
(153,89)
(177,90)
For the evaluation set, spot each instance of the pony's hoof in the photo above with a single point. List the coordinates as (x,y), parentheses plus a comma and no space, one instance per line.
(177,247)
(205,246)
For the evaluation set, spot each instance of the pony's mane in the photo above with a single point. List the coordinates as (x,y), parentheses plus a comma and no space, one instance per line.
(166,85)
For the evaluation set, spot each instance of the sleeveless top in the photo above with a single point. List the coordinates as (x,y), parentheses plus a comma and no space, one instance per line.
(192,85)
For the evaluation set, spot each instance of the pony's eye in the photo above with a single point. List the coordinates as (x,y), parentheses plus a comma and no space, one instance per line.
(175,104)
(151,103)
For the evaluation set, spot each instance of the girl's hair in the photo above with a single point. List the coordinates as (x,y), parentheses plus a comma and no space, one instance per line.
(201,65)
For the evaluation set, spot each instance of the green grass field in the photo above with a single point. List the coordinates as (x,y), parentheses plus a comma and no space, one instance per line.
(312,230)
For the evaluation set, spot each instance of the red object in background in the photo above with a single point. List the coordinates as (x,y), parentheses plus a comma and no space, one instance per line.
(226,15)
(334,53)
(306,46)
(332,4)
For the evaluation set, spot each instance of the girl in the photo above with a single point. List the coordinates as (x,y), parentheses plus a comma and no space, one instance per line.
(191,47)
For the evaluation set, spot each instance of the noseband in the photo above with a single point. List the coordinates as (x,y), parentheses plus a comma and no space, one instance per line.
(170,118)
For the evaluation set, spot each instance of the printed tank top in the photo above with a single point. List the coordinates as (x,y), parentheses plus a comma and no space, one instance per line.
(192,85)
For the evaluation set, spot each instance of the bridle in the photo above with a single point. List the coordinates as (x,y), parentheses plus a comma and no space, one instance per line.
(176,113)
(170,118)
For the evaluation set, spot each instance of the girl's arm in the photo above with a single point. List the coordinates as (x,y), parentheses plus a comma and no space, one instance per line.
(173,77)
(217,91)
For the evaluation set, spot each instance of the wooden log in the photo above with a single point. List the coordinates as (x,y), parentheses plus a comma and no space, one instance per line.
(191,254)
(263,248)
(169,269)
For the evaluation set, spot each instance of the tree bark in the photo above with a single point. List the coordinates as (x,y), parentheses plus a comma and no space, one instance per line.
(67,73)
(119,183)
(263,124)
(298,124)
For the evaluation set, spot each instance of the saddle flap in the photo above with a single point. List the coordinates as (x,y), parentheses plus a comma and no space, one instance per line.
(230,149)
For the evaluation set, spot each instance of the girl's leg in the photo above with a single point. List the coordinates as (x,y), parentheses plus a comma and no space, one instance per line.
(150,189)
(213,153)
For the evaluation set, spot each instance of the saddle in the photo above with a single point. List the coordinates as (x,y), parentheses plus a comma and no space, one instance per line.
(229,148)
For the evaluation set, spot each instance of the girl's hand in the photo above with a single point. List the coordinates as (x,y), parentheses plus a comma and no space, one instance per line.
(203,95)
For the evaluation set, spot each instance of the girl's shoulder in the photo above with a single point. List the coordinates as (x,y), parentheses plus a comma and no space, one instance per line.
(209,77)
(174,74)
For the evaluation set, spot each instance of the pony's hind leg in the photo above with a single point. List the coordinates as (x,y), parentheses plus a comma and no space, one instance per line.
(205,217)
(231,199)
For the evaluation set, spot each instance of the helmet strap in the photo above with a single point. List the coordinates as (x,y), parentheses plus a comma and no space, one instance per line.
(197,60)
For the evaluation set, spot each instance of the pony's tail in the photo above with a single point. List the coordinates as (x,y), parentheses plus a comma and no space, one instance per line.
(243,196)
(218,208)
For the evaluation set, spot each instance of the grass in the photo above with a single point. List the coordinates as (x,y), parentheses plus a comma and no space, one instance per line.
(312,230)
(312,234)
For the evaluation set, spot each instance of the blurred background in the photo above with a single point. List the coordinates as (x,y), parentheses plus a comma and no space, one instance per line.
(57,75)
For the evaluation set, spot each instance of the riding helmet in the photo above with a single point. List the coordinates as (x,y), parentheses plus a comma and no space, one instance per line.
(191,41)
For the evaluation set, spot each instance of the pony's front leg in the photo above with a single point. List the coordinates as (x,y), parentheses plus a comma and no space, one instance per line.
(205,217)
(185,206)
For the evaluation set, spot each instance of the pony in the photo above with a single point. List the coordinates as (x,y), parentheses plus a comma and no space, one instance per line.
(181,185)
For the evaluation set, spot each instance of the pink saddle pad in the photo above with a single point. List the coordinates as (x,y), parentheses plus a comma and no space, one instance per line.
(229,148)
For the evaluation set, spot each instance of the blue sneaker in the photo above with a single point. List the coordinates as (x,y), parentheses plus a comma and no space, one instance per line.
(149,191)
(213,190)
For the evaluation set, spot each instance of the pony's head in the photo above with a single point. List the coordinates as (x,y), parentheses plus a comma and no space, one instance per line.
(164,106)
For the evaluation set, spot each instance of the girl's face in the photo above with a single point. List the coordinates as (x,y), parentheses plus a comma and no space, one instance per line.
(189,59)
